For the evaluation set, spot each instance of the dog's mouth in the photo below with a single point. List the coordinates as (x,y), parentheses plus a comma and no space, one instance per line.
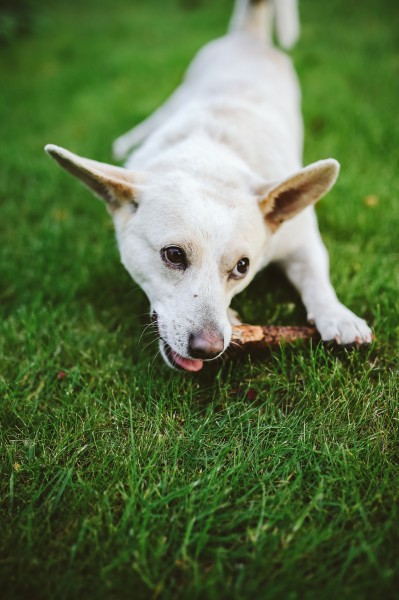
(174,359)
(180,362)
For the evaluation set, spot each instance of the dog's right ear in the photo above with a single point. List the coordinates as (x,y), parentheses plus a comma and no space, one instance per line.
(115,185)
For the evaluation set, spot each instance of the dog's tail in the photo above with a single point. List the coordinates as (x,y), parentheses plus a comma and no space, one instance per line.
(258,17)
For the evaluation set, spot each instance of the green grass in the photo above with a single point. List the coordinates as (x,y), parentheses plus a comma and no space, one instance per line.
(275,478)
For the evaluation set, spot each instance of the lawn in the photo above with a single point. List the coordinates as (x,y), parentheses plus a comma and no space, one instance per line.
(269,478)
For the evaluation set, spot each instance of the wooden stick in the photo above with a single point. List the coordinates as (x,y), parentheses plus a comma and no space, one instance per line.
(257,337)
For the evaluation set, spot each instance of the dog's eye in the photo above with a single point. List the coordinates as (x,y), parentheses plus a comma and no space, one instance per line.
(174,257)
(241,268)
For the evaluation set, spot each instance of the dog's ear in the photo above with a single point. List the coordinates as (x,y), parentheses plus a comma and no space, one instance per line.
(115,185)
(286,199)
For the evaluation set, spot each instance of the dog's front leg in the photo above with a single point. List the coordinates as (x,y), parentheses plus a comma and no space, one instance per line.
(308,270)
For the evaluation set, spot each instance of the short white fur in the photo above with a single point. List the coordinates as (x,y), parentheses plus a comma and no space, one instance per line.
(217,170)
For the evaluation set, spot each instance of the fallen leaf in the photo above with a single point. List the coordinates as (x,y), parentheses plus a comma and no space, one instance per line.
(370,201)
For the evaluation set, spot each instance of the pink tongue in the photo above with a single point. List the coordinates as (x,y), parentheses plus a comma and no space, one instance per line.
(187,363)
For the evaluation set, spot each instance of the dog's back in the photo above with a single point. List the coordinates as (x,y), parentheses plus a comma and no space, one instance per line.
(241,89)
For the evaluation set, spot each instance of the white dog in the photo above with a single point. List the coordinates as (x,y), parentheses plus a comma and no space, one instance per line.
(216,191)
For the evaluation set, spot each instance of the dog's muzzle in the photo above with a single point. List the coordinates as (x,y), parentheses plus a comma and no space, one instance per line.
(204,345)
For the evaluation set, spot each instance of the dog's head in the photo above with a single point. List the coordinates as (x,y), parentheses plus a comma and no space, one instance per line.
(190,246)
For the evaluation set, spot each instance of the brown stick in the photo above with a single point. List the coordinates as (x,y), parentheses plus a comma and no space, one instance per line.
(257,337)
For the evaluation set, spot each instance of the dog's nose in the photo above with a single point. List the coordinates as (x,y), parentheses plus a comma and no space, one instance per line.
(206,344)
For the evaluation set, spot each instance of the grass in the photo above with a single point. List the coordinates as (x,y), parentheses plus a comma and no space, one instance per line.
(275,478)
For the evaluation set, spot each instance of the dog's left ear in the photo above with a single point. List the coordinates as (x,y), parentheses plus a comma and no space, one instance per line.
(287,198)
(115,185)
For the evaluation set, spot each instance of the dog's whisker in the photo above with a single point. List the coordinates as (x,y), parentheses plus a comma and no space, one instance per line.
(147,329)
(146,325)
(234,343)
(141,315)
(150,343)
(155,357)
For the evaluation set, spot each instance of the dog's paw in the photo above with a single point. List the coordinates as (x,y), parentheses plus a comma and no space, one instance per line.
(343,326)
